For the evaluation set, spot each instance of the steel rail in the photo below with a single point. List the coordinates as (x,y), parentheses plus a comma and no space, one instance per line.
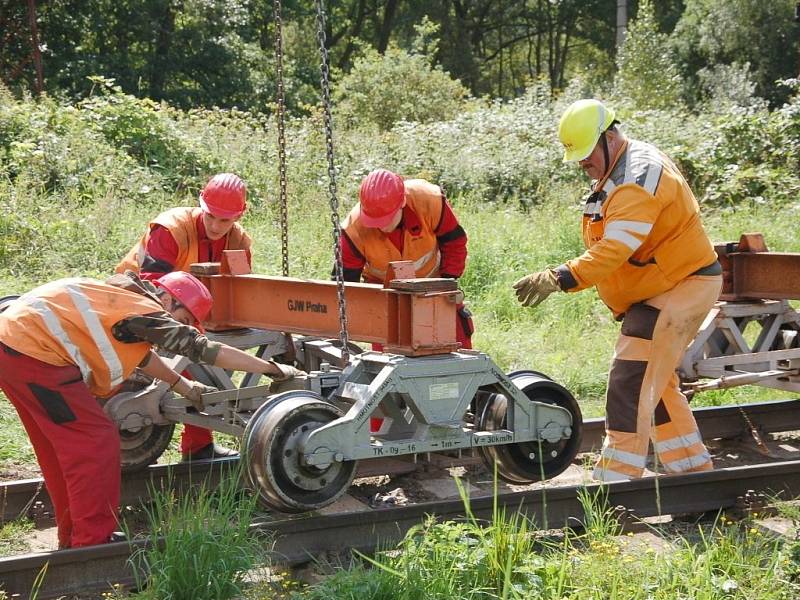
(296,540)
(719,422)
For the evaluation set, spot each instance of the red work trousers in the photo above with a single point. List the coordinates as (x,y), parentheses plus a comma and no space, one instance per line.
(76,444)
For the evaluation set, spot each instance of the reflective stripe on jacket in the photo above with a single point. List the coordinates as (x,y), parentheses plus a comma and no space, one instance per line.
(181,222)
(642,231)
(70,321)
(426,201)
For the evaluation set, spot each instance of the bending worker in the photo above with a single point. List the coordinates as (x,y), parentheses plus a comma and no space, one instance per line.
(67,342)
(181,236)
(654,266)
(405,220)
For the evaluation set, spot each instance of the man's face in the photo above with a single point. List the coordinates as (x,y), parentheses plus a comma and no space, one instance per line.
(178,311)
(594,165)
(394,222)
(216,227)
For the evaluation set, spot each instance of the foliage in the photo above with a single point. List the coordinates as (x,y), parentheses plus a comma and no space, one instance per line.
(396,86)
(208,548)
(507,557)
(763,34)
(647,74)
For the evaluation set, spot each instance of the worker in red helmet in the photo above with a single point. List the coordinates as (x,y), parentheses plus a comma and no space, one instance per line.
(405,220)
(181,236)
(69,342)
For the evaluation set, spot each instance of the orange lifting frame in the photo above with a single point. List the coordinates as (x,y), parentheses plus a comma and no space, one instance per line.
(415,321)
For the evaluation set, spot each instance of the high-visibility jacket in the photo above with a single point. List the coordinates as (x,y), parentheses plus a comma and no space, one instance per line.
(642,231)
(70,321)
(419,245)
(181,222)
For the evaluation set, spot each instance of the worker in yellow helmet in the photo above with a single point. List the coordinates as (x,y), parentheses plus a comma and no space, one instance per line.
(654,266)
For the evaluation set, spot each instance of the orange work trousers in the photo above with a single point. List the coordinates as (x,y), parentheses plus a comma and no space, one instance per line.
(644,400)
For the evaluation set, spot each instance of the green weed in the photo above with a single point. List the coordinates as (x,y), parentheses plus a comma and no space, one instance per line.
(207,549)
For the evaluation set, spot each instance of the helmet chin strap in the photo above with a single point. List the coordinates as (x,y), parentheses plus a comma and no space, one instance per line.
(605,152)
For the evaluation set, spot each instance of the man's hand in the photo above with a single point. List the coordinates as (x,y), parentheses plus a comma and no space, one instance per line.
(193,391)
(285,372)
(534,288)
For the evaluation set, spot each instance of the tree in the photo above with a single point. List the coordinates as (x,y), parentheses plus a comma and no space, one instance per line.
(647,73)
(763,34)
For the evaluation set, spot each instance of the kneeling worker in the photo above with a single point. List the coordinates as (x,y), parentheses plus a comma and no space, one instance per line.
(66,343)
(181,236)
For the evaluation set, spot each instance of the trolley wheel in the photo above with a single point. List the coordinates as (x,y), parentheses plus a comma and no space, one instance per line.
(143,447)
(272,442)
(528,462)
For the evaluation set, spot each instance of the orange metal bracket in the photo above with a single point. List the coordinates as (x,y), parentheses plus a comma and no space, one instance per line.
(415,321)
(751,272)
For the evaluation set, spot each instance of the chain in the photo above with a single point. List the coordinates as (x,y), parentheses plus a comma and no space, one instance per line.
(276,8)
(754,433)
(334,202)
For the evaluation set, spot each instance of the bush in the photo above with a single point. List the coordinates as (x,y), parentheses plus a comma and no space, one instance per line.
(646,72)
(396,86)
(146,131)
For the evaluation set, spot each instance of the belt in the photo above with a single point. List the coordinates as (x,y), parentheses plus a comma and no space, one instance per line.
(713,269)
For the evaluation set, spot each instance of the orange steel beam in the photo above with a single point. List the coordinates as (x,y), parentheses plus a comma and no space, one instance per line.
(751,272)
(413,323)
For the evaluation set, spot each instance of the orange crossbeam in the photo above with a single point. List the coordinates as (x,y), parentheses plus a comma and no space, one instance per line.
(410,322)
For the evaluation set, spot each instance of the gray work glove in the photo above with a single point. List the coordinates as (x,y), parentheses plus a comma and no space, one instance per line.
(193,391)
(534,288)
(287,372)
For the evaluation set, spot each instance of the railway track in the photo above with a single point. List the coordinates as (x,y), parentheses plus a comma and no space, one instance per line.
(29,497)
(95,569)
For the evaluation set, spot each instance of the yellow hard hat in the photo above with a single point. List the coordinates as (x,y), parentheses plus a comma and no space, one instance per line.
(580,127)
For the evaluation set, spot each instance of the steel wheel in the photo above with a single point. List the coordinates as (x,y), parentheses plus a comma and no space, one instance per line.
(272,446)
(145,446)
(527,462)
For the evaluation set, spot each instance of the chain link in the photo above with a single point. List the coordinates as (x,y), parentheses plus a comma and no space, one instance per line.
(281,116)
(334,202)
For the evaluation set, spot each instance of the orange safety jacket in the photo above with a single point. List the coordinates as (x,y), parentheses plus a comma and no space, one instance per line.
(422,247)
(181,223)
(642,231)
(69,322)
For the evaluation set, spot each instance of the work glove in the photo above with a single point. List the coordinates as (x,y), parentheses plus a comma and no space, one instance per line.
(193,391)
(287,372)
(534,288)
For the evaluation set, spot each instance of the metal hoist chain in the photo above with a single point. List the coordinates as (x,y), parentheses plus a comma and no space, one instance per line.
(334,202)
(276,8)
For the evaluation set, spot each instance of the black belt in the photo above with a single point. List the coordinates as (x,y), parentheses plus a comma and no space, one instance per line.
(713,269)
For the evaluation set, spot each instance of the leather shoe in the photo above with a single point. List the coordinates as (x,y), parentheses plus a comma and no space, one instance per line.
(210,452)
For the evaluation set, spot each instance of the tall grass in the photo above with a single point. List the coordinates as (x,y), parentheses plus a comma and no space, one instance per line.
(509,557)
(208,548)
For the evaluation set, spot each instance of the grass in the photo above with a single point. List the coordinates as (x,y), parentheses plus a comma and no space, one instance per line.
(12,536)
(510,558)
(208,548)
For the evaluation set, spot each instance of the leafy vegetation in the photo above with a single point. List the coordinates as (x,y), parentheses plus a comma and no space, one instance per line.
(208,548)
(509,557)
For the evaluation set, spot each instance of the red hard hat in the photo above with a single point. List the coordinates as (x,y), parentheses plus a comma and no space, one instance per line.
(382,193)
(189,291)
(225,196)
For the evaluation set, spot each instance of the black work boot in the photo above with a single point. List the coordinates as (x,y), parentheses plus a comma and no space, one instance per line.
(210,451)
